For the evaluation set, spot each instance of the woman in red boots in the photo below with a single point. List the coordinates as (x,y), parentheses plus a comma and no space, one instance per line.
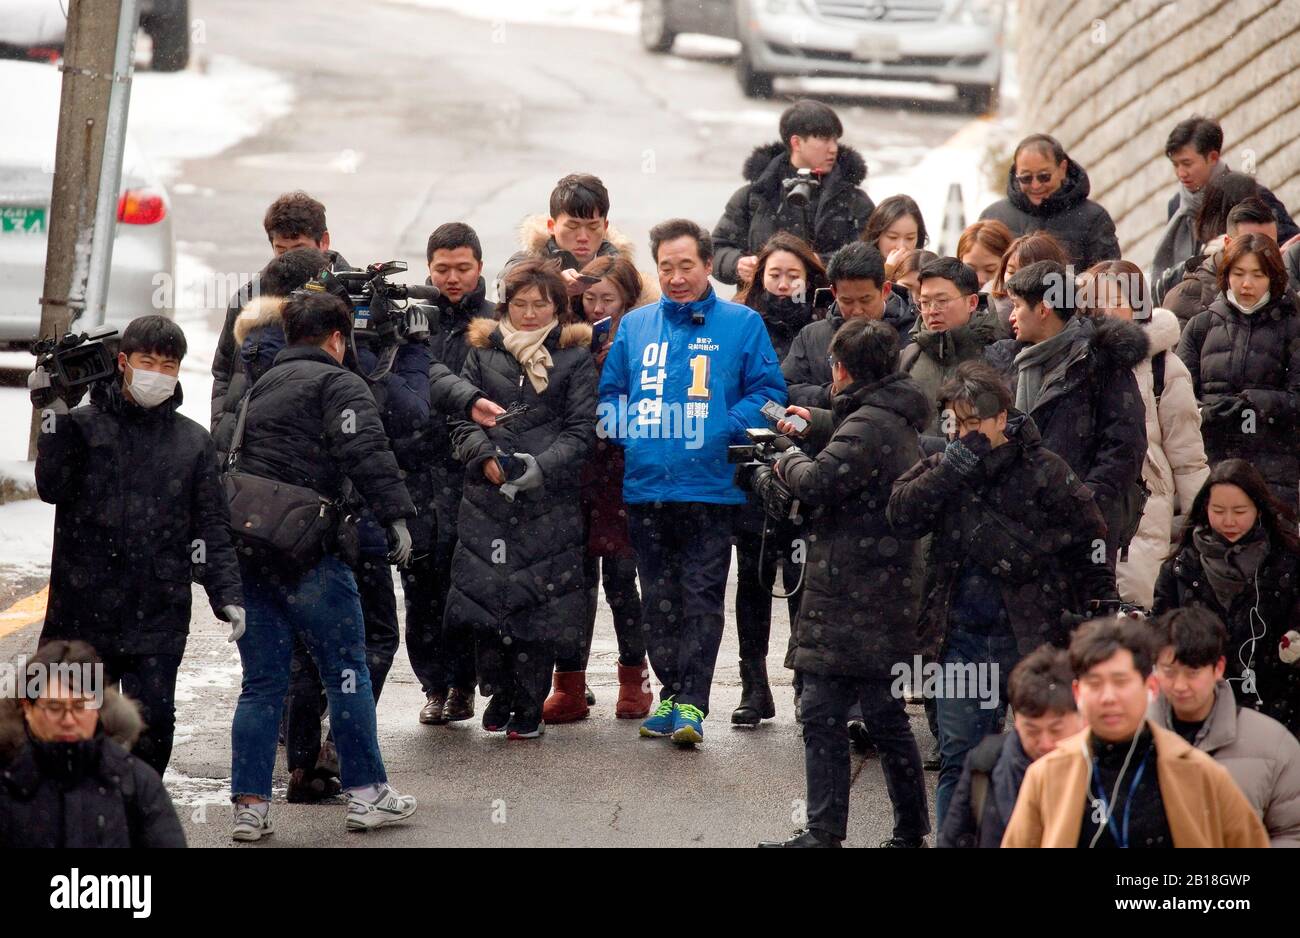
(611,561)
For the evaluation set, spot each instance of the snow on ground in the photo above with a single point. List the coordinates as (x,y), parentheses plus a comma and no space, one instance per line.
(26,537)
(620,16)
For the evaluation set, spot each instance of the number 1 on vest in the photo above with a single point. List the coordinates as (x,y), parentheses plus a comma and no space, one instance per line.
(699,377)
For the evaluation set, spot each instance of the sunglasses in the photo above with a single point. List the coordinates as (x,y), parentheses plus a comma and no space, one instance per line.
(1026,178)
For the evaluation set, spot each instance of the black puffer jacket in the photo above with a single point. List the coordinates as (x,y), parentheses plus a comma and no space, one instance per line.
(859,603)
(806,365)
(1256,357)
(229,382)
(517,568)
(1083,227)
(1270,604)
(1025,522)
(313,422)
(758,209)
(90,794)
(140,514)
(1090,410)
(934,356)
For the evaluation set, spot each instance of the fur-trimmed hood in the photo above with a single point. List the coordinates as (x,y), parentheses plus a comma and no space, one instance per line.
(849,164)
(119,720)
(1163,331)
(261,312)
(574,335)
(1118,343)
(533,237)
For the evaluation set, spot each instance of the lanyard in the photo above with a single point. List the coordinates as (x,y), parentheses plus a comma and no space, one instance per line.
(1121,836)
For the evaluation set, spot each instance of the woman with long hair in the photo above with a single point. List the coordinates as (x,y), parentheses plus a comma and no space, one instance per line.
(1026,250)
(787,276)
(1240,558)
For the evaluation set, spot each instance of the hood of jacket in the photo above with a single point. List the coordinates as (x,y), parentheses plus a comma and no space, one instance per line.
(481,332)
(119,720)
(1118,343)
(536,239)
(767,165)
(967,340)
(1074,191)
(896,392)
(261,312)
(1163,331)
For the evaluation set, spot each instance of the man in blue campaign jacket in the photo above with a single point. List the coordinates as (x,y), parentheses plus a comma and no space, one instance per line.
(682,381)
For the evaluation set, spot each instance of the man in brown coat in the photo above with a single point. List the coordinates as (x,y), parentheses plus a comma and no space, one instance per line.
(1195,702)
(1124,782)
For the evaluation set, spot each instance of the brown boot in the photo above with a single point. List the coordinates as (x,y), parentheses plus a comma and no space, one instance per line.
(431,714)
(568,701)
(634,697)
(460,705)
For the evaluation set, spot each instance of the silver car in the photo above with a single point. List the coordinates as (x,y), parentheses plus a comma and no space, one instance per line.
(142,279)
(956,42)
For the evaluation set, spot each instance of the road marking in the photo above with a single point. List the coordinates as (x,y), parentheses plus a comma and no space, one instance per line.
(24,612)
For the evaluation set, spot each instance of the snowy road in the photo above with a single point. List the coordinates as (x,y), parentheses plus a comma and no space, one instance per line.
(424,117)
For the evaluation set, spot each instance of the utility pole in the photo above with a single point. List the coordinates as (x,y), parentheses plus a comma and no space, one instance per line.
(94,61)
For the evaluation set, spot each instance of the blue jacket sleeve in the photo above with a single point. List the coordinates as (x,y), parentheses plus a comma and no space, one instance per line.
(761,381)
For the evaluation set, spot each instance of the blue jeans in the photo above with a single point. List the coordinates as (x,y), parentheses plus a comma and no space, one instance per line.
(324,608)
(963,723)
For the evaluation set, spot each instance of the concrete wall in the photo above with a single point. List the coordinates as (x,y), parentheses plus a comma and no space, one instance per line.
(1110,78)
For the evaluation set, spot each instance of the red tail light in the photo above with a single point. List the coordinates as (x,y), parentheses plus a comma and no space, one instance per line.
(140,207)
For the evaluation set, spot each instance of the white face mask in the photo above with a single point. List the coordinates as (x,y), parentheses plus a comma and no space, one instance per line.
(1232,298)
(150,388)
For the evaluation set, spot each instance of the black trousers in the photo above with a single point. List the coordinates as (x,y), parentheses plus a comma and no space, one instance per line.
(149,680)
(519,669)
(306,703)
(754,586)
(683,554)
(825,703)
(618,574)
(441,652)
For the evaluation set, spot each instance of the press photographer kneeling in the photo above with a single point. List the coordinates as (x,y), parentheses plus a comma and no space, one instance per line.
(860,592)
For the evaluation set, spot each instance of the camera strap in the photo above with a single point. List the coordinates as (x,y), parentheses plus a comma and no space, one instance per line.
(237,441)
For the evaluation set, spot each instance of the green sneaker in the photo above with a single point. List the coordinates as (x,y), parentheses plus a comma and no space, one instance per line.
(688,725)
(661,722)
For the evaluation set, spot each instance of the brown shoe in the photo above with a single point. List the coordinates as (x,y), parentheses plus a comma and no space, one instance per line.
(434,712)
(459,706)
(568,701)
(634,697)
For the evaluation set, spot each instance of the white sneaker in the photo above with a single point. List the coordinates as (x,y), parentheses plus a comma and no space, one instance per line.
(251,825)
(387,807)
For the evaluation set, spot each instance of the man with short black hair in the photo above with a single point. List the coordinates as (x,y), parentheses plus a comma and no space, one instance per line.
(955,326)
(294,220)
(1074,376)
(1043,704)
(1196,702)
(312,422)
(807,159)
(1125,782)
(683,378)
(860,598)
(140,511)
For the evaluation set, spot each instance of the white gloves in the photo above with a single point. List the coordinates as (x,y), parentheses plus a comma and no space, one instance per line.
(235,616)
(531,479)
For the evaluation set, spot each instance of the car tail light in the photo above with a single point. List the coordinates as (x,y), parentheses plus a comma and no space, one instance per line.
(140,207)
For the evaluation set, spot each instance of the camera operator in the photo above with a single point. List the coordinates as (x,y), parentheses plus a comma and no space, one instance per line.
(806,184)
(140,511)
(294,220)
(312,423)
(859,601)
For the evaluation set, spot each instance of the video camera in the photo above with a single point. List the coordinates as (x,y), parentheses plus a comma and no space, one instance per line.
(375,300)
(77,361)
(798,189)
(754,462)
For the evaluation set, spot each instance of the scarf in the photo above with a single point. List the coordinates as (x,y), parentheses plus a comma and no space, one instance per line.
(1247,310)
(1229,567)
(1178,242)
(1032,363)
(529,349)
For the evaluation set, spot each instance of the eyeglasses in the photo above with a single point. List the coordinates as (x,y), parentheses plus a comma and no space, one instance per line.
(1026,178)
(58,709)
(938,305)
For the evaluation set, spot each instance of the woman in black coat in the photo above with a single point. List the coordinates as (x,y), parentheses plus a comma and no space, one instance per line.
(1244,357)
(67,777)
(1048,191)
(1239,557)
(517,573)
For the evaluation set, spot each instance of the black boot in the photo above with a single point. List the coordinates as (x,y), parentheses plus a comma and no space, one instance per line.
(809,838)
(755,696)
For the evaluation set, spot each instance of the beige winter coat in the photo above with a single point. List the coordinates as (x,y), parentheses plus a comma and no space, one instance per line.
(1174,469)
(1259,753)
(533,240)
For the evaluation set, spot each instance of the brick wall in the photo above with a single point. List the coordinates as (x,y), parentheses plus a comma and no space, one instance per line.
(1110,78)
